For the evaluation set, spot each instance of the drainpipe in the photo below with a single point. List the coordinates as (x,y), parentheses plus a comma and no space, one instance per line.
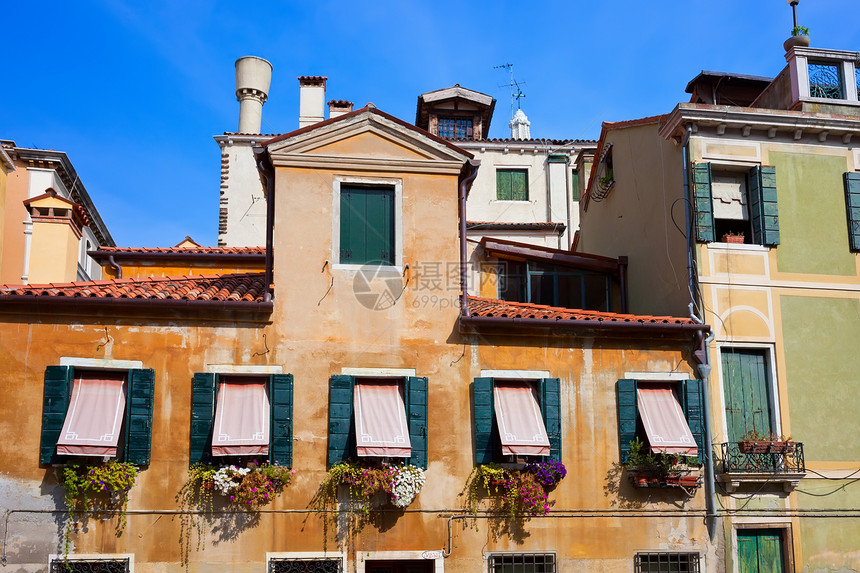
(704,354)
(467,176)
(264,164)
(115,267)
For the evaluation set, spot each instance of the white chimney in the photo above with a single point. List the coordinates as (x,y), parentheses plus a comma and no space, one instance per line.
(338,107)
(311,99)
(520,126)
(253,76)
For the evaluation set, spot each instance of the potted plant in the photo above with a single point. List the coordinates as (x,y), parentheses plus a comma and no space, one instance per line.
(518,492)
(799,37)
(734,238)
(660,470)
(754,443)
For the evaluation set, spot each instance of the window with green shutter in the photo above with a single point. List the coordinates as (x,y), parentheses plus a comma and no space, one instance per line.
(204,399)
(342,416)
(486,429)
(689,394)
(137,417)
(367,225)
(512,184)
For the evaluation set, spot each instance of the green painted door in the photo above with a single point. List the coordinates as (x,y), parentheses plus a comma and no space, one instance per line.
(760,551)
(746,392)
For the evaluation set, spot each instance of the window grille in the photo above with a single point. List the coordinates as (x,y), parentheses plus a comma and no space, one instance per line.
(304,565)
(522,563)
(453,128)
(667,563)
(825,81)
(89,566)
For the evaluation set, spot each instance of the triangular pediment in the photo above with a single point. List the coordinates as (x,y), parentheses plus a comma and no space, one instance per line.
(367,139)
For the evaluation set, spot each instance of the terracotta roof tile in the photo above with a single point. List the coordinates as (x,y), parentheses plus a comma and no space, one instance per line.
(186,250)
(477,225)
(241,287)
(487,307)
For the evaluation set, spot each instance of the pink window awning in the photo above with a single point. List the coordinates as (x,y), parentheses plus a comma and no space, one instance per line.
(241,417)
(518,416)
(94,418)
(381,429)
(664,421)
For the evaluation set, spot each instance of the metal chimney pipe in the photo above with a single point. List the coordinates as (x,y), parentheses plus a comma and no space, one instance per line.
(253,77)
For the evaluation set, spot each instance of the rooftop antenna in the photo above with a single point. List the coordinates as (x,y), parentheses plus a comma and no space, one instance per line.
(512,84)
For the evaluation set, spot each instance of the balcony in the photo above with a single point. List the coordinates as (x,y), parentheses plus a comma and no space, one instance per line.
(779,465)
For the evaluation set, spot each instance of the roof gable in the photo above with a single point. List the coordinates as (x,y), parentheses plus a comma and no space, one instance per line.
(366,139)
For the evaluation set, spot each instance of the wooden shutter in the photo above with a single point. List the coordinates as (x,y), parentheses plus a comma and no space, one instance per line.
(416,416)
(281,426)
(341,435)
(486,435)
(519,185)
(764,211)
(692,402)
(628,415)
(760,551)
(703,203)
(202,417)
(366,225)
(549,391)
(852,206)
(55,402)
(138,416)
(746,392)
(503,185)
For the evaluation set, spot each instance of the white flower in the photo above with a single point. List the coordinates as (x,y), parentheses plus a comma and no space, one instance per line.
(228,478)
(406,484)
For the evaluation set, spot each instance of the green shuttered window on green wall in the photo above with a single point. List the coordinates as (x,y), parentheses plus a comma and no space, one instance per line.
(137,421)
(852,206)
(487,446)
(341,419)
(204,396)
(367,225)
(689,394)
(512,184)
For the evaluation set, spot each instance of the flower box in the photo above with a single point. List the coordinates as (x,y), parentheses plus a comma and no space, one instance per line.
(734,239)
(765,447)
(651,479)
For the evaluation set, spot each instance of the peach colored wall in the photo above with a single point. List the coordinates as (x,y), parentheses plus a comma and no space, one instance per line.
(141,269)
(12,263)
(53,253)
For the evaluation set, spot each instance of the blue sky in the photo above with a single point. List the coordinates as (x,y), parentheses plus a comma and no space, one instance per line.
(134,91)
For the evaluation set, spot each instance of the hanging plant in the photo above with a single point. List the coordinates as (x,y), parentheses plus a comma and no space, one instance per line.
(400,484)
(96,488)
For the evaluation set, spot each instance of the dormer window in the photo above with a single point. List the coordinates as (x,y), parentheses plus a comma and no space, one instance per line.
(825,80)
(455,128)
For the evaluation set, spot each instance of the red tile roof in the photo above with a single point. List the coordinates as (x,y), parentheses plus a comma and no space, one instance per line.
(487,307)
(477,225)
(186,250)
(244,287)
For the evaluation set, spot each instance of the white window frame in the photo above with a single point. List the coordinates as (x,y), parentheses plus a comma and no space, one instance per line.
(397,184)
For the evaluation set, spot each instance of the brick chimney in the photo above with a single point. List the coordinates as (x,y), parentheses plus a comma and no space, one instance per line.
(338,107)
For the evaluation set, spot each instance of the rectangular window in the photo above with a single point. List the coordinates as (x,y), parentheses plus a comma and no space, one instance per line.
(500,428)
(305,566)
(241,416)
(825,80)
(367,417)
(94,412)
(512,184)
(852,206)
(367,225)
(574,185)
(554,285)
(663,420)
(522,563)
(90,565)
(734,206)
(455,128)
(380,419)
(747,390)
(634,419)
(760,551)
(667,563)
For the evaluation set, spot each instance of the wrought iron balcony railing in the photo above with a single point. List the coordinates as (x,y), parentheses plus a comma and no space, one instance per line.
(784,460)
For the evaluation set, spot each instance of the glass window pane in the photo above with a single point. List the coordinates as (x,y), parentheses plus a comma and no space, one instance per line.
(542,289)
(570,291)
(596,295)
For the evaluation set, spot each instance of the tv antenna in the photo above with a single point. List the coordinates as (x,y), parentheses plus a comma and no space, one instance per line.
(513,85)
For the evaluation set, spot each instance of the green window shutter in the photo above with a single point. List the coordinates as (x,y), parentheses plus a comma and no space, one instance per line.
(486,434)
(202,417)
(747,396)
(764,211)
(138,435)
(416,416)
(366,225)
(55,402)
(281,426)
(574,185)
(549,391)
(703,203)
(341,435)
(628,415)
(852,206)
(503,185)
(519,185)
(691,393)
